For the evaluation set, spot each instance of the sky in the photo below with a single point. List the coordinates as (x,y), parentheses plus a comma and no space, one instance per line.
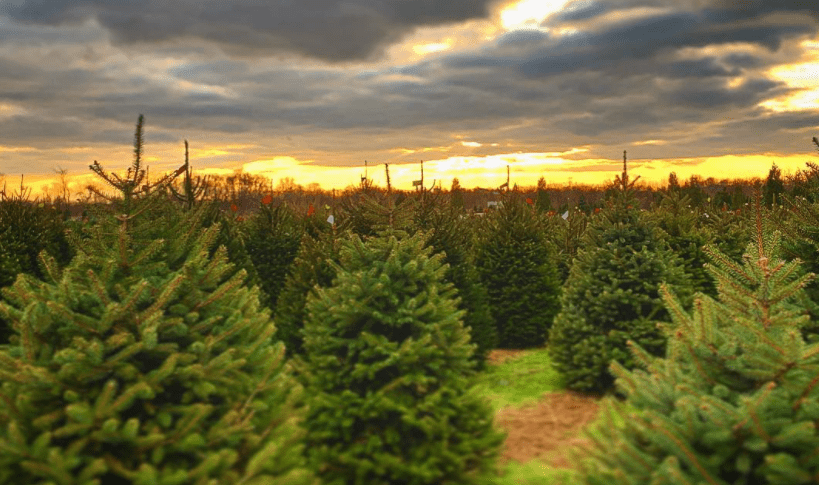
(310,89)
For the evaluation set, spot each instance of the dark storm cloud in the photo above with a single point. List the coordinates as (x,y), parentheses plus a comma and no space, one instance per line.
(518,38)
(731,10)
(719,11)
(711,96)
(24,129)
(648,38)
(332,30)
(704,67)
(743,60)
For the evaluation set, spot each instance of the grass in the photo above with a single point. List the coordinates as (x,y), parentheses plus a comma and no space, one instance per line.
(516,383)
(519,381)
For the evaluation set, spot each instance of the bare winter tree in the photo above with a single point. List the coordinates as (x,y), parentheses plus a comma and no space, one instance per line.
(63,184)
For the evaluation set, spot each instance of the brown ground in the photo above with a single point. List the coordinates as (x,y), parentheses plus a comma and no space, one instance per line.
(545,429)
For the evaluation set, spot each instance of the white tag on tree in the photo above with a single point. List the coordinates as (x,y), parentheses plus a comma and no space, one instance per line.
(565,215)
(331,219)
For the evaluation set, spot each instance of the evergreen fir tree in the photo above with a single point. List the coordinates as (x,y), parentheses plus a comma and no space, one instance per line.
(312,269)
(774,187)
(372,211)
(728,231)
(735,399)
(673,183)
(680,228)
(612,294)
(449,233)
(26,229)
(456,193)
(693,190)
(273,238)
(799,224)
(565,236)
(805,183)
(520,275)
(390,375)
(314,265)
(144,362)
(234,236)
(542,201)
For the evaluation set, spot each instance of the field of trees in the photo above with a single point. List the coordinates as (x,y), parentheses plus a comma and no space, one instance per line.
(213,331)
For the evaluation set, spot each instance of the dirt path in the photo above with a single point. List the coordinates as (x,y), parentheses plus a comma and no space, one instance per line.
(545,429)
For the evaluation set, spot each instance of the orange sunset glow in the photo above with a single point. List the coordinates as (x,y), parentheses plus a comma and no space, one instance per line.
(552,88)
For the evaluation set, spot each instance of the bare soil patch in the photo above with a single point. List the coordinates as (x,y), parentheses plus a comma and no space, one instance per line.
(499,356)
(546,429)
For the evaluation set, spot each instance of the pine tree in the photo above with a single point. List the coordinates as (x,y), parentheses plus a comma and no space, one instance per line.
(735,398)
(520,275)
(390,376)
(612,294)
(144,362)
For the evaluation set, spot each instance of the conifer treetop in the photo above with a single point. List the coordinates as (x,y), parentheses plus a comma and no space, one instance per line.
(734,399)
(129,186)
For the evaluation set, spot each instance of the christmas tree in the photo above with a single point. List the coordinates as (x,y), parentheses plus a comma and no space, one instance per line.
(372,210)
(564,237)
(312,269)
(612,294)
(314,266)
(145,362)
(448,232)
(542,201)
(273,238)
(734,400)
(390,376)
(799,223)
(520,274)
(26,229)
(681,230)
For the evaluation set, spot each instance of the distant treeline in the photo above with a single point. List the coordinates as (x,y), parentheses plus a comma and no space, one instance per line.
(242,193)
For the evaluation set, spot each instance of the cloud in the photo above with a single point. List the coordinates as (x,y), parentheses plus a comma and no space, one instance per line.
(582,10)
(521,38)
(609,75)
(331,30)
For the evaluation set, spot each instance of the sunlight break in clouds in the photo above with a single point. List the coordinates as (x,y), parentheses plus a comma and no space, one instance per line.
(802,76)
(422,49)
(529,13)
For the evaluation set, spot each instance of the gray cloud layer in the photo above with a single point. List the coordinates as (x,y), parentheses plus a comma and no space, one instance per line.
(689,73)
(332,30)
